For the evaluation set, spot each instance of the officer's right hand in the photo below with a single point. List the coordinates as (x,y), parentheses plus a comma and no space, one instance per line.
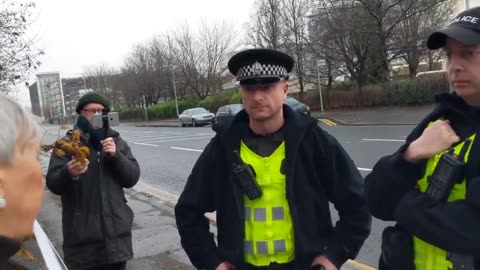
(225,266)
(435,139)
(76,168)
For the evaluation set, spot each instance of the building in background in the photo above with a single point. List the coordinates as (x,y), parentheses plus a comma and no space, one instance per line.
(73,89)
(54,99)
(50,93)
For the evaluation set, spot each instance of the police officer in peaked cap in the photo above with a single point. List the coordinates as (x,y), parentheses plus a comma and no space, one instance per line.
(270,175)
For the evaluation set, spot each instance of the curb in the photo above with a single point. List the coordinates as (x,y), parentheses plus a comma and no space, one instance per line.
(171,200)
(168,198)
(336,122)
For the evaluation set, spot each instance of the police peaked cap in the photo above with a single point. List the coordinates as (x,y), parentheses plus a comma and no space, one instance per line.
(260,66)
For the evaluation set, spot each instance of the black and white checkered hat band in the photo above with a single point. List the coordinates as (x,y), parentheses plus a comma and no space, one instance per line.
(258,70)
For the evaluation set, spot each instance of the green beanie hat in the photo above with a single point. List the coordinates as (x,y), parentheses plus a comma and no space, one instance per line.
(92,97)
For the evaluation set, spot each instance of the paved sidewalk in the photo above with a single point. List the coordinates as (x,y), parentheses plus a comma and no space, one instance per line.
(156,242)
(411,115)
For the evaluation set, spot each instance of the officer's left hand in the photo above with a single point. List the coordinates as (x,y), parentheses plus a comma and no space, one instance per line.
(109,146)
(322,260)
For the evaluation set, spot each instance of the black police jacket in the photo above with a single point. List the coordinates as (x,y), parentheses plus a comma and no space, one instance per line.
(96,220)
(318,171)
(393,196)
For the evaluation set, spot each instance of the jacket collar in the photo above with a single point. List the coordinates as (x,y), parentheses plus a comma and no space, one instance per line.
(456,105)
(294,126)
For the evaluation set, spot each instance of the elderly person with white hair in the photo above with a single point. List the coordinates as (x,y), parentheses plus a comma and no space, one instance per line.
(21,180)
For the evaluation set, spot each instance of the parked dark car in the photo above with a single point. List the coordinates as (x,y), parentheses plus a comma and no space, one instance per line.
(196,116)
(227,112)
(297,105)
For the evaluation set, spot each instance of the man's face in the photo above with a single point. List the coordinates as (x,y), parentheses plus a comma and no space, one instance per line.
(90,109)
(263,102)
(463,67)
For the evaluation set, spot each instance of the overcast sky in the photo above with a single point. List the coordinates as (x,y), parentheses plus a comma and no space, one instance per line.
(78,34)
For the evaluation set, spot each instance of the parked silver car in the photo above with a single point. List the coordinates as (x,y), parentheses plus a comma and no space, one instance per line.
(196,116)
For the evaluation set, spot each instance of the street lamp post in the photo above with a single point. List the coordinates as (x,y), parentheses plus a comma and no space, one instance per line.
(173,75)
(467,4)
(320,62)
(145,108)
(175,91)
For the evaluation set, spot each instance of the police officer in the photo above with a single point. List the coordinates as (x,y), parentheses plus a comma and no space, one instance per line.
(431,185)
(270,174)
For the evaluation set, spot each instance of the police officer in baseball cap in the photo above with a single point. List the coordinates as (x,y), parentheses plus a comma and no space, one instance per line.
(465,28)
(269,169)
(431,185)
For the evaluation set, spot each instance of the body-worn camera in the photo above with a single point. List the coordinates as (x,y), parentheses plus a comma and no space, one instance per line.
(448,171)
(245,176)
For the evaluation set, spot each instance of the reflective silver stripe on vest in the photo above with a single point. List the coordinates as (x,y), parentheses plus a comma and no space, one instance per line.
(278,213)
(260,214)
(262,247)
(280,246)
(248,247)
(248,213)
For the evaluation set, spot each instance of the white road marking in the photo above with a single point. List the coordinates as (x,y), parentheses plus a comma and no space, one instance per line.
(382,140)
(364,169)
(186,149)
(146,144)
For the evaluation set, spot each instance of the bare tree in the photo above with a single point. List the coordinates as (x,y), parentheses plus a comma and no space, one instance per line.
(18,53)
(321,41)
(387,16)
(266,25)
(101,78)
(141,67)
(203,58)
(347,44)
(414,30)
(294,16)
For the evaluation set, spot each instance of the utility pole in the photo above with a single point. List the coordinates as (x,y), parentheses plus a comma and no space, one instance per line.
(145,108)
(173,75)
(319,62)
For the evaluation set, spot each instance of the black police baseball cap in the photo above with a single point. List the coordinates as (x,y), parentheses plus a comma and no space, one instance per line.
(260,66)
(464,28)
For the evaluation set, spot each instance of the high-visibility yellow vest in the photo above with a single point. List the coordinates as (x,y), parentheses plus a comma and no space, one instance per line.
(268,223)
(427,256)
